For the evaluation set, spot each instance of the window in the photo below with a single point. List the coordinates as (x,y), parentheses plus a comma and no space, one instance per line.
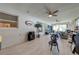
(60,27)
(77,22)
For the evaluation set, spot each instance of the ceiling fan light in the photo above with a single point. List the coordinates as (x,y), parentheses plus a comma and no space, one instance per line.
(50,15)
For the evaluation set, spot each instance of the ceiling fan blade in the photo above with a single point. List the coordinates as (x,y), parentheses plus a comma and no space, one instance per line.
(55,11)
(47,9)
(49,12)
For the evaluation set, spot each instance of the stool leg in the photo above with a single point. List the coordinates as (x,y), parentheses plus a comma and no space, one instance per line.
(51,48)
(57,47)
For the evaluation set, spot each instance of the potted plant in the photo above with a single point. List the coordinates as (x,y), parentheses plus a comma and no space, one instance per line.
(38,25)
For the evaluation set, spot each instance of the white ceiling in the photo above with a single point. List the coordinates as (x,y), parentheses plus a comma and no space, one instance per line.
(67,12)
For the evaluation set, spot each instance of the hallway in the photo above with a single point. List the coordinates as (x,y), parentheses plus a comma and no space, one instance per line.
(37,47)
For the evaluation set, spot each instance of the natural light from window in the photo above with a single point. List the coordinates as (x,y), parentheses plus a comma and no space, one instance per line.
(60,27)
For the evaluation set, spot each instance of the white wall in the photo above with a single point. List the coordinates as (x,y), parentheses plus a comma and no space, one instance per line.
(12,36)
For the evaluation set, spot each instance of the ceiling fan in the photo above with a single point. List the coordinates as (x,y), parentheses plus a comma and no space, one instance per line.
(51,13)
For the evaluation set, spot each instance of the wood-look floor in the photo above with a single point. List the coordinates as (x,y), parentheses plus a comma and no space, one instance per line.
(38,47)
